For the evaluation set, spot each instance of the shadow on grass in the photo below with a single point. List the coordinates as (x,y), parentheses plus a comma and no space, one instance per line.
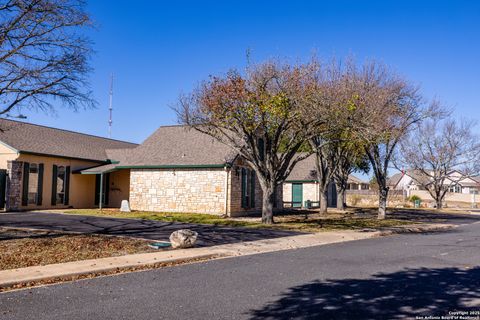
(399,295)
(209,235)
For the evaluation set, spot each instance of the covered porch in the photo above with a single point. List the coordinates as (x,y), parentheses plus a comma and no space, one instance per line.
(112,185)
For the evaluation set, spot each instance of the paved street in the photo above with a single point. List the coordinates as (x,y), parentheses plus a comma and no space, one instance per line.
(383,278)
(209,235)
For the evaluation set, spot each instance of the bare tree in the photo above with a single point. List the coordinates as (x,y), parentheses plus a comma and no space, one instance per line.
(336,145)
(329,98)
(442,153)
(42,55)
(323,166)
(387,106)
(258,115)
(349,157)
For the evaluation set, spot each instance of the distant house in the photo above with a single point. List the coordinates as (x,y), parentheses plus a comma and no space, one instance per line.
(176,169)
(301,186)
(355,183)
(415,180)
(38,167)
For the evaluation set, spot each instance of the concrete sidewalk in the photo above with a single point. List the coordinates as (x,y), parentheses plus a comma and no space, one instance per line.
(12,277)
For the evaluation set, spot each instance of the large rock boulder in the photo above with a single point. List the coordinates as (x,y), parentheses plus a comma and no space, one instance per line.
(183,238)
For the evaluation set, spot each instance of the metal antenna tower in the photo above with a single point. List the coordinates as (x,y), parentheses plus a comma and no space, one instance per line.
(110,108)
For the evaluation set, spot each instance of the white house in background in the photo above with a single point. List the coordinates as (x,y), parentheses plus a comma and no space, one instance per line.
(415,180)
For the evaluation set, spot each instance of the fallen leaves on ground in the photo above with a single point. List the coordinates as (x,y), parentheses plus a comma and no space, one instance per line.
(19,249)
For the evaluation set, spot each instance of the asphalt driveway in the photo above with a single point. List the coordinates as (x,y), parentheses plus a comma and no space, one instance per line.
(208,235)
(398,277)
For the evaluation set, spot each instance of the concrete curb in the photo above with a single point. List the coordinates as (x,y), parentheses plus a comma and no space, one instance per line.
(418,229)
(9,278)
(13,277)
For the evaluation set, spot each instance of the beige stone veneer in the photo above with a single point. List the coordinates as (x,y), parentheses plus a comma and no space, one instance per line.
(198,190)
(178,190)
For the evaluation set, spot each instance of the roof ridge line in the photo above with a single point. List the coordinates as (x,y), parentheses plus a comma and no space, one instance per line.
(66,130)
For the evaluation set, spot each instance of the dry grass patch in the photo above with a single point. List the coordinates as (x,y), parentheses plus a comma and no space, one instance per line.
(312,222)
(21,248)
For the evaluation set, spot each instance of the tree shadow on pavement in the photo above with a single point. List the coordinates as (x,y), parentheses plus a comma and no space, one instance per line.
(399,295)
(208,235)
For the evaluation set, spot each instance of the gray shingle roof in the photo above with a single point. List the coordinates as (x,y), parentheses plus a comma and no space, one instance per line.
(179,146)
(32,138)
(393,180)
(306,170)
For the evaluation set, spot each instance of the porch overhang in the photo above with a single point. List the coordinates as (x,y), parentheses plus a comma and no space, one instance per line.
(107,168)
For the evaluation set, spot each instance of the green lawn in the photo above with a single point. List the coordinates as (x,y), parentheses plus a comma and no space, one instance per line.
(313,223)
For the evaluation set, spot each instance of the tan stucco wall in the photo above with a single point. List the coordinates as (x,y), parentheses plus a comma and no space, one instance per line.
(82,187)
(178,190)
(119,187)
(6,154)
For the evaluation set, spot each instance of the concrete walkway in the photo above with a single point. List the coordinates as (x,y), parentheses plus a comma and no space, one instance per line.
(65,270)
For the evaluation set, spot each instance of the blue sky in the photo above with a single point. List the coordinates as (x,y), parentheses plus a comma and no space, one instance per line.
(158,49)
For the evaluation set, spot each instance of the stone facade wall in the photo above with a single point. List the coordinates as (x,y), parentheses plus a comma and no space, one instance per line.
(235,192)
(310,192)
(287,192)
(178,190)
(14,185)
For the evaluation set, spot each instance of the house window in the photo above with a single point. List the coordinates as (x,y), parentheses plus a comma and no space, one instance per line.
(60,181)
(248,188)
(33,183)
(455,189)
(60,185)
(261,149)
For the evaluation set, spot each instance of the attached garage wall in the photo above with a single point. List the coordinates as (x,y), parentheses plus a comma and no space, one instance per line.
(178,190)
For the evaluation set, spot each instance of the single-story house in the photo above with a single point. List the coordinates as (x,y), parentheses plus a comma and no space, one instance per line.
(176,169)
(409,180)
(354,183)
(38,167)
(300,189)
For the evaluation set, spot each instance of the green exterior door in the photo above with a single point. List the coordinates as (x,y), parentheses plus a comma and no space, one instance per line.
(297,195)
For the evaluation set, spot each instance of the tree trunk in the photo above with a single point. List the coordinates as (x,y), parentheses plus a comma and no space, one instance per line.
(323,202)
(267,205)
(382,203)
(340,198)
(439,203)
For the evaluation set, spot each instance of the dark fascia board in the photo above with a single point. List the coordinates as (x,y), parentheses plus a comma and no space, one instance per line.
(59,156)
(188,166)
(300,181)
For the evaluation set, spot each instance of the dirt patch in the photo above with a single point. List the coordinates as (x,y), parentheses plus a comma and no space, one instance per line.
(26,248)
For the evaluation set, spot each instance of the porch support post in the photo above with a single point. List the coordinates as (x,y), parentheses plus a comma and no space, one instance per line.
(100,201)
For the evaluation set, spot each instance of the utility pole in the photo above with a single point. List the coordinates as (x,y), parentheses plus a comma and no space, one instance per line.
(110,108)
